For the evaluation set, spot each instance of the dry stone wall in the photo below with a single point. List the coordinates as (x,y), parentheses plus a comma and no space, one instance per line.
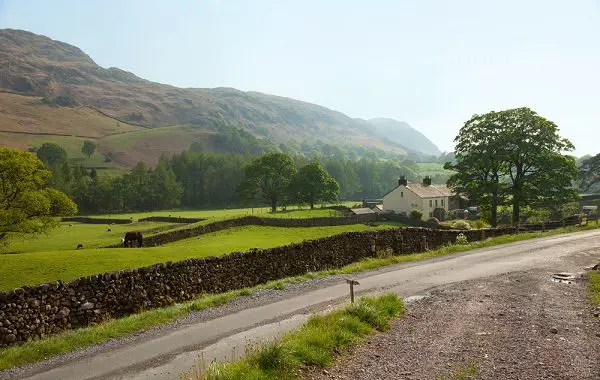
(35,312)
(186,233)
(170,219)
(83,219)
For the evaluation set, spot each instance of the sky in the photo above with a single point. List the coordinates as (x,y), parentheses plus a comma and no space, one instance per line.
(431,63)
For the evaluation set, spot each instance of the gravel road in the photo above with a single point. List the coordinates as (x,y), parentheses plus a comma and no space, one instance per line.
(520,325)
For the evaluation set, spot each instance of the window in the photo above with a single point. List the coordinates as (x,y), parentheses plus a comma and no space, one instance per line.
(430,203)
(402,194)
(430,214)
(436,203)
(442,202)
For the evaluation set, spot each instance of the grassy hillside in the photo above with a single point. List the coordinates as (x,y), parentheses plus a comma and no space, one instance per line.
(47,68)
(28,114)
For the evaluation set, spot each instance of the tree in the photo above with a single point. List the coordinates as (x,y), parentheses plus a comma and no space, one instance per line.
(88,148)
(478,163)
(167,191)
(513,155)
(27,205)
(313,184)
(52,154)
(589,172)
(268,177)
(539,173)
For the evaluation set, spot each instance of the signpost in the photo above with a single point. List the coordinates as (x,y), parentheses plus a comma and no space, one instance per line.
(352,283)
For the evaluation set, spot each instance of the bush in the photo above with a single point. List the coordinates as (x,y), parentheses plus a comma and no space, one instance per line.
(461,225)
(416,214)
(461,239)
(480,223)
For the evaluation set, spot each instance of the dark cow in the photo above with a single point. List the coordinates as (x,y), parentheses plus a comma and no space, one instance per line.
(80,246)
(132,236)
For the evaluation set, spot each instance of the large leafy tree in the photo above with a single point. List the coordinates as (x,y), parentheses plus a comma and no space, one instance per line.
(479,164)
(539,173)
(513,155)
(52,154)
(88,148)
(27,205)
(313,184)
(268,177)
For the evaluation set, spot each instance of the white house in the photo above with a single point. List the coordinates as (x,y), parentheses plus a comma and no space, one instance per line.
(433,200)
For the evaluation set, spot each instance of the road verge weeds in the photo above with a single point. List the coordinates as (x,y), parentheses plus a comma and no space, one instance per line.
(315,344)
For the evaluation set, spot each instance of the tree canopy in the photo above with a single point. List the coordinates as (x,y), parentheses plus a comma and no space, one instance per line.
(268,177)
(313,184)
(513,156)
(589,172)
(88,148)
(51,154)
(27,205)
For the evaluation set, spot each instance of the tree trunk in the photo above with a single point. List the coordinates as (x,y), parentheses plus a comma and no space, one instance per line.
(312,205)
(516,212)
(273,205)
(494,210)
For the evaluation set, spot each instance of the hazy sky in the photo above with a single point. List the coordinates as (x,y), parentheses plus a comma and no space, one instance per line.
(430,63)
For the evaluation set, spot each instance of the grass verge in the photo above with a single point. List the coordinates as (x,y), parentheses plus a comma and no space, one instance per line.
(595,288)
(314,344)
(42,349)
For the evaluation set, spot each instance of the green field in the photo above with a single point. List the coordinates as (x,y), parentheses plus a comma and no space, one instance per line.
(432,169)
(265,212)
(34,268)
(66,237)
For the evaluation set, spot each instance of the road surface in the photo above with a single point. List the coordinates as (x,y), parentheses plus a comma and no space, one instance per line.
(174,352)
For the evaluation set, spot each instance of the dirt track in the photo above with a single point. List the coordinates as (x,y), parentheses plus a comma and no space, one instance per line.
(515,326)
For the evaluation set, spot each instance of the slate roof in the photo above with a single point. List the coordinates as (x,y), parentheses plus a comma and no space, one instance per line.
(431,191)
(362,211)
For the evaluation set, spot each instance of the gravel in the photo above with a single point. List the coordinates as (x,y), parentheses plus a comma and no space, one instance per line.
(516,326)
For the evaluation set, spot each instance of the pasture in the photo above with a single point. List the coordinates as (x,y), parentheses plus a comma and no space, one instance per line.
(67,237)
(290,212)
(39,267)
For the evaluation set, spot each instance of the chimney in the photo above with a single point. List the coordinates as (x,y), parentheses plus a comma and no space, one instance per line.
(402,181)
(427,181)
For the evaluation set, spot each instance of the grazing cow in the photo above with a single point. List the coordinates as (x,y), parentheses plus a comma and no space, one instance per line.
(80,246)
(109,230)
(132,236)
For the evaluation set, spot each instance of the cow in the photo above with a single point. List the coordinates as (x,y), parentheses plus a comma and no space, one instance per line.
(131,237)
(80,246)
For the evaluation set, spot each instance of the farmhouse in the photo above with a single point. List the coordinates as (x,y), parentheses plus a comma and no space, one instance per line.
(433,200)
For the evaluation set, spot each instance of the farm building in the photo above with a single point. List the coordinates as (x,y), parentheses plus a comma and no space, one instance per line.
(433,200)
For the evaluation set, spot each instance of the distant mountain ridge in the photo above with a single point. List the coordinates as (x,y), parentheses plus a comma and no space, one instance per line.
(32,64)
(402,133)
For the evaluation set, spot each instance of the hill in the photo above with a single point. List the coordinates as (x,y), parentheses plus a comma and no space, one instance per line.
(62,81)
(402,133)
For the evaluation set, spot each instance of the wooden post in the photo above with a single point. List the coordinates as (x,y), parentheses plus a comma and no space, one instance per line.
(352,283)
(424,243)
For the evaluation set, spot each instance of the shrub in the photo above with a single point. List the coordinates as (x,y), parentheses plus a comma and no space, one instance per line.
(416,214)
(480,223)
(461,225)
(461,239)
